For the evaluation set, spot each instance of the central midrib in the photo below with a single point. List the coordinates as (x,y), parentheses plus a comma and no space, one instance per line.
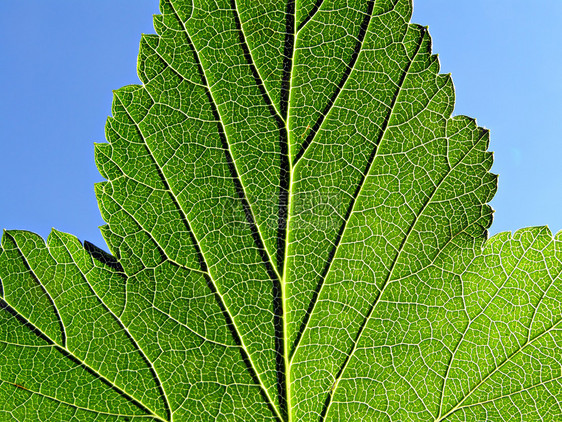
(285,100)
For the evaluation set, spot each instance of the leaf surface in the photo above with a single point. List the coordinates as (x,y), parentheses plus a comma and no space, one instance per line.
(297,223)
(506,365)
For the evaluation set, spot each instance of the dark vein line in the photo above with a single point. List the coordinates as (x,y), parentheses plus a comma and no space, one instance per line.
(265,257)
(229,323)
(172,195)
(5,306)
(285,164)
(282,363)
(43,288)
(351,206)
(249,216)
(280,118)
(253,67)
(202,263)
(244,354)
(202,259)
(271,270)
(144,357)
(313,11)
(284,170)
(283,141)
(283,198)
(104,380)
(163,255)
(345,76)
(288,51)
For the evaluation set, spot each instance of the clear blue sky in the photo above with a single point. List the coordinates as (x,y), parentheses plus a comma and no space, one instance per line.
(60,60)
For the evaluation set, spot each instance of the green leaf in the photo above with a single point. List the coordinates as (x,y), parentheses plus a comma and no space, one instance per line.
(66,352)
(297,226)
(506,364)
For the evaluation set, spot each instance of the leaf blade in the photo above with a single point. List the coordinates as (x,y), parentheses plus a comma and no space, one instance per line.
(297,223)
(75,358)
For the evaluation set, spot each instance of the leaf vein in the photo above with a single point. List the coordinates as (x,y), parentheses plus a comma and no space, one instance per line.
(75,406)
(37,279)
(341,85)
(136,345)
(507,360)
(69,355)
(222,302)
(507,278)
(392,268)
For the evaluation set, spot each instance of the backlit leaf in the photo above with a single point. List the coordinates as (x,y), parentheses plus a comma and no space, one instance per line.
(298,229)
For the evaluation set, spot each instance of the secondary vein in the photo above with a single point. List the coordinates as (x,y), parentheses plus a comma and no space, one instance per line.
(351,207)
(43,288)
(133,340)
(345,77)
(68,354)
(248,210)
(391,272)
(216,287)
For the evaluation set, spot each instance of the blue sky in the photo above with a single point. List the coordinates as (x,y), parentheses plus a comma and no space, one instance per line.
(62,58)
